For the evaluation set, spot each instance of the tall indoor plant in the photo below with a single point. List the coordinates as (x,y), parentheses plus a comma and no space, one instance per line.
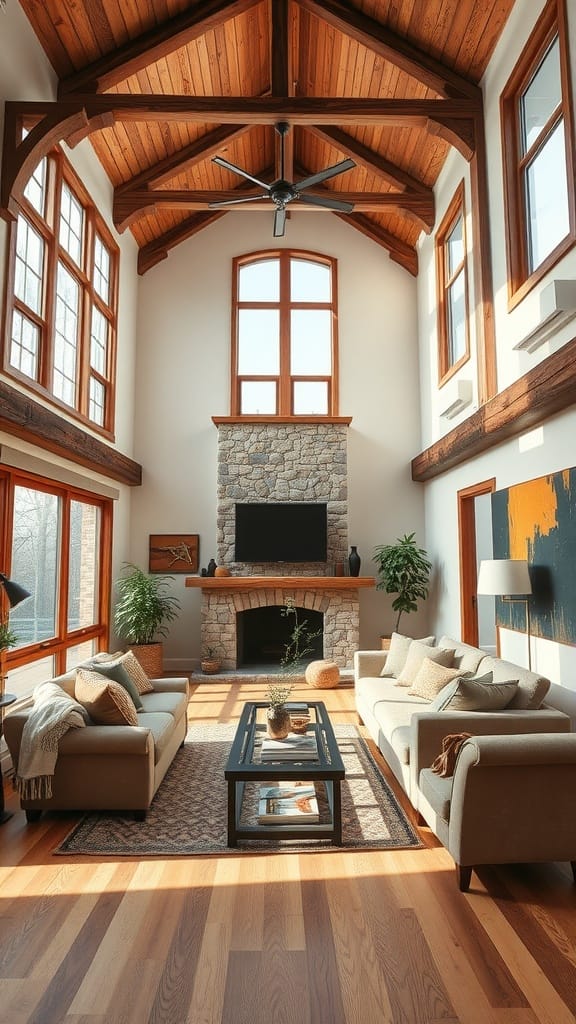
(143,611)
(403,569)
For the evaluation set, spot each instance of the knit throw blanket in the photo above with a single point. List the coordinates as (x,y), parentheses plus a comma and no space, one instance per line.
(54,712)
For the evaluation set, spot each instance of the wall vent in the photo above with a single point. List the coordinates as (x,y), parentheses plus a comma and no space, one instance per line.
(557,307)
(454,397)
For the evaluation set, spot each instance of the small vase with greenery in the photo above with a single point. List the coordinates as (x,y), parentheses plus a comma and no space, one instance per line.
(277,714)
(143,611)
(403,569)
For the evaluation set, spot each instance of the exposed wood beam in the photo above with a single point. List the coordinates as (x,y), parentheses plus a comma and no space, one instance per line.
(151,46)
(202,149)
(132,205)
(280,48)
(547,389)
(24,418)
(399,251)
(393,48)
(156,251)
(81,115)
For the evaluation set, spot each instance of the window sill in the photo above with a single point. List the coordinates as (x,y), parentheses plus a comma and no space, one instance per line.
(225,420)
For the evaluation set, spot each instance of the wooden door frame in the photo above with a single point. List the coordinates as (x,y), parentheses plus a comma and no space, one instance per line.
(467,557)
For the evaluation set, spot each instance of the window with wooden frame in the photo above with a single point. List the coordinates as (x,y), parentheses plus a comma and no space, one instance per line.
(452,289)
(56,543)
(60,331)
(538,143)
(284,338)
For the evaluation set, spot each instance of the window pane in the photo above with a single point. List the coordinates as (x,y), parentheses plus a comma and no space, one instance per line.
(310,398)
(98,342)
(259,282)
(258,341)
(23,680)
(76,655)
(547,198)
(35,189)
(24,348)
(311,342)
(29,266)
(309,282)
(456,320)
(36,529)
(97,401)
(101,269)
(455,247)
(258,397)
(71,224)
(84,565)
(541,98)
(66,339)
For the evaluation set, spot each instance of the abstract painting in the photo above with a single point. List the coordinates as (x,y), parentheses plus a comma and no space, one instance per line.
(173,552)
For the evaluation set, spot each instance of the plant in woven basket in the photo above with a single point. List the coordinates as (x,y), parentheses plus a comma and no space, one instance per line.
(143,610)
(403,569)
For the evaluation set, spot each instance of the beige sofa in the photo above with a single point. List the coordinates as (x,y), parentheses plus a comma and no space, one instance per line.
(111,767)
(410,735)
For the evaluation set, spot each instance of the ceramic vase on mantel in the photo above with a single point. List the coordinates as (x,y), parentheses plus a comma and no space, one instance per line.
(354,561)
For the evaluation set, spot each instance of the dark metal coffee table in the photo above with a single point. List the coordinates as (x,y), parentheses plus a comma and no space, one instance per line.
(244,765)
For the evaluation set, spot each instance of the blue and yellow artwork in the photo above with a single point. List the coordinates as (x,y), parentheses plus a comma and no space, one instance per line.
(536,520)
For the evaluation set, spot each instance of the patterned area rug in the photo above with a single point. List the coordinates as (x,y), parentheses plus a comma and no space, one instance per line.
(188,813)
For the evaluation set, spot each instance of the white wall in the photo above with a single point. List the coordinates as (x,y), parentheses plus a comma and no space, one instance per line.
(25,74)
(547,449)
(183,379)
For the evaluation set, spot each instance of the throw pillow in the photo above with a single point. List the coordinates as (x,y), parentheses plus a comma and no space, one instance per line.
(116,671)
(439,702)
(396,657)
(476,695)
(431,678)
(107,702)
(418,651)
(130,662)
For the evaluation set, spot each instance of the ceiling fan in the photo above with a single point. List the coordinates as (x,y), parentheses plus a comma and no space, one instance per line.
(282,192)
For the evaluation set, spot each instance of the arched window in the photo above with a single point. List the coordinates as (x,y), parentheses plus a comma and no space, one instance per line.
(284,337)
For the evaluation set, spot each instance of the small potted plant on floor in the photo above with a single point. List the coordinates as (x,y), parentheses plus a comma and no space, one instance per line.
(143,610)
(403,569)
(211,660)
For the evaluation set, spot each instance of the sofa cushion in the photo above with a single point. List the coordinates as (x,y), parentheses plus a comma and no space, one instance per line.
(396,658)
(466,657)
(174,704)
(532,687)
(116,671)
(416,654)
(161,726)
(107,702)
(394,721)
(437,790)
(431,678)
(474,694)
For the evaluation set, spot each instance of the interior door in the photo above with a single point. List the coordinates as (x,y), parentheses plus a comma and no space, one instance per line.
(468,558)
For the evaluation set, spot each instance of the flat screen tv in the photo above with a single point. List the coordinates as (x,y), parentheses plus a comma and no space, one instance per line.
(281,532)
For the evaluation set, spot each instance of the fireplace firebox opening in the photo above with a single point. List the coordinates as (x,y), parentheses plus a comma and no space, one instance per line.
(263,633)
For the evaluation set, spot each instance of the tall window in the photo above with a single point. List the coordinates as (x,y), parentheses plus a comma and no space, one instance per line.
(538,166)
(284,335)
(58,548)
(61,327)
(452,284)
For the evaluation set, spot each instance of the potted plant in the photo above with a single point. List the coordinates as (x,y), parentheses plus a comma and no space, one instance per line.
(403,569)
(211,660)
(7,637)
(143,610)
(277,715)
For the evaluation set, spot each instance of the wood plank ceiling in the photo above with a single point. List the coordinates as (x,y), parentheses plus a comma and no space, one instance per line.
(286,57)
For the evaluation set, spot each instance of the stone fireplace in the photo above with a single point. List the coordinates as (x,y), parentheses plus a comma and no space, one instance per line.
(282,462)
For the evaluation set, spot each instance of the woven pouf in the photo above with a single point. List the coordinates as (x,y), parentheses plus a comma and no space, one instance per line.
(323,675)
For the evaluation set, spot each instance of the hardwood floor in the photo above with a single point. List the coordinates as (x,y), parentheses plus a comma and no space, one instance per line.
(331,938)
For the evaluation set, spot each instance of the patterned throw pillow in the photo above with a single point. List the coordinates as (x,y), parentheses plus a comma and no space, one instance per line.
(130,663)
(118,672)
(418,651)
(106,702)
(476,695)
(396,657)
(431,678)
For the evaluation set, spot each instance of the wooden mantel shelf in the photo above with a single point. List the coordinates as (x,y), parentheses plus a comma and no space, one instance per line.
(290,582)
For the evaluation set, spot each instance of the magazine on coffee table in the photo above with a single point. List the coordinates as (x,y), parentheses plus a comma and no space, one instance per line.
(288,803)
(294,748)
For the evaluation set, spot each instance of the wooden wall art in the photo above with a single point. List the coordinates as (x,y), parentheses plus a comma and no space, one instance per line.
(173,552)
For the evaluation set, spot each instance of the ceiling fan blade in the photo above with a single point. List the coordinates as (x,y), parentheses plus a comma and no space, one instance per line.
(327,202)
(238,170)
(235,202)
(279,222)
(329,172)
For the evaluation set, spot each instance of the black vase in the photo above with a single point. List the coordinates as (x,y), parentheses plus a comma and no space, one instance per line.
(211,567)
(354,561)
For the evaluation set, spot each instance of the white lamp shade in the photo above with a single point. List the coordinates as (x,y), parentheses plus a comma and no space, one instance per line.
(504,576)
